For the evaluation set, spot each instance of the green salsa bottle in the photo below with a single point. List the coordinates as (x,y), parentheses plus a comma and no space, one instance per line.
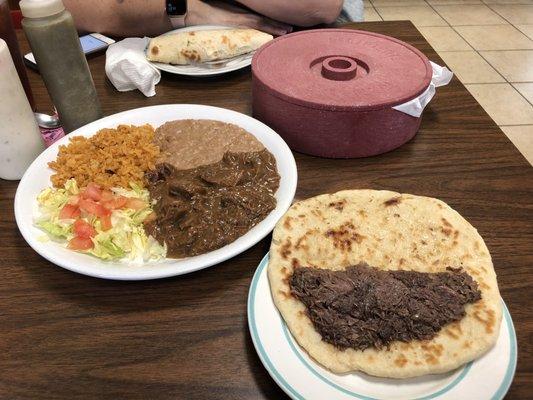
(55,44)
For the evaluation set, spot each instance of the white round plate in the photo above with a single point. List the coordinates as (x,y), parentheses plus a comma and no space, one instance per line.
(37,178)
(488,377)
(200,70)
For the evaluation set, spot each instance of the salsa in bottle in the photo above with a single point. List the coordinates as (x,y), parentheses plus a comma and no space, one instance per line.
(55,44)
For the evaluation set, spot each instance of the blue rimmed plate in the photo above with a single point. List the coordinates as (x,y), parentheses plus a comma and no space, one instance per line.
(488,377)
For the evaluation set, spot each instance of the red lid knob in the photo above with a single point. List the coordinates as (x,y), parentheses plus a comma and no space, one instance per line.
(339,68)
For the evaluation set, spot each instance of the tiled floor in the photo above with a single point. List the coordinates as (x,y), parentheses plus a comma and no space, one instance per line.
(488,44)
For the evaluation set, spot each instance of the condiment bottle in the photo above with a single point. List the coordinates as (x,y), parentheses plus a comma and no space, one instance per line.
(20,139)
(7,32)
(55,44)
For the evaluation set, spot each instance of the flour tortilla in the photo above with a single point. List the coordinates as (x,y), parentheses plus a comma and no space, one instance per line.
(201,46)
(390,231)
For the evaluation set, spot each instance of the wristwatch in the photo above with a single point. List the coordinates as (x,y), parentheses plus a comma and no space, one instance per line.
(176,11)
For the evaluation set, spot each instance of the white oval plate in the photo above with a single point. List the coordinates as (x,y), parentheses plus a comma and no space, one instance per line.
(488,377)
(37,178)
(200,70)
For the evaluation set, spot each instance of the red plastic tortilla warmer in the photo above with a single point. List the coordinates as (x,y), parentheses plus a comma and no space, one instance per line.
(330,92)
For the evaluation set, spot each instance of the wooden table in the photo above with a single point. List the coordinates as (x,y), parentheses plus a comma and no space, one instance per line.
(67,336)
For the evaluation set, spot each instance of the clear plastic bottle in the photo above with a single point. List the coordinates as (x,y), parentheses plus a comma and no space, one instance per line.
(20,138)
(55,44)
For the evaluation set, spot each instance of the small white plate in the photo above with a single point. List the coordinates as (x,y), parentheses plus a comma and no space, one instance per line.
(37,178)
(488,377)
(200,70)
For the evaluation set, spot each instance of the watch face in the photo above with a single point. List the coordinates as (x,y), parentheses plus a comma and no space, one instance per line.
(176,7)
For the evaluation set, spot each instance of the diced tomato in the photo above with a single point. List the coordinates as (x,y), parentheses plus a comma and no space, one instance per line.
(135,204)
(150,217)
(88,206)
(93,192)
(73,200)
(83,229)
(79,243)
(69,211)
(107,195)
(116,203)
(105,222)
(93,208)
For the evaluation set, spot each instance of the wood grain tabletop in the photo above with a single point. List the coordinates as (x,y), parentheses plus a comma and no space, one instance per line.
(68,336)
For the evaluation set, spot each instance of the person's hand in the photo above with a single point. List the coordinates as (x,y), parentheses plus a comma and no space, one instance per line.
(220,13)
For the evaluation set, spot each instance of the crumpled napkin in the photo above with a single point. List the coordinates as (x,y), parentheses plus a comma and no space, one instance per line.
(441,76)
(127,68)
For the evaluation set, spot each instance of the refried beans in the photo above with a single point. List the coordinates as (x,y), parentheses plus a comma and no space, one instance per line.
(204,208)
(190,143)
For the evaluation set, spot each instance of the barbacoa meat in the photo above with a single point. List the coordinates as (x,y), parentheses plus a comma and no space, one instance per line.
(363,307)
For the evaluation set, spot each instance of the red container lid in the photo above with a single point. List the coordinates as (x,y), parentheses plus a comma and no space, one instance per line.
(342,69)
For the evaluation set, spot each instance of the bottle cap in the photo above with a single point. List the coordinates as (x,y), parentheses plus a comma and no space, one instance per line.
(40,8)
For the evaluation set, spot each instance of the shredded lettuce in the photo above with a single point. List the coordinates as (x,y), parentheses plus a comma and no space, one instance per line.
(72,187)
(154,250)
(126,239)
(51,201)
(106,248)
(135,191)
(56,230)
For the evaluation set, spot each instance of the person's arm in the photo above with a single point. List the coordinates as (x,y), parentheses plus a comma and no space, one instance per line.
(297,12)
(148,17)
(120,17)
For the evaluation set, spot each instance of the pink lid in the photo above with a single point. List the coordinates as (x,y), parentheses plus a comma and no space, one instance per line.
(342,69)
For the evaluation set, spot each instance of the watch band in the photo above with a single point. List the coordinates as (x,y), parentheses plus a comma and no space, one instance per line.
(176,11)
(177,21)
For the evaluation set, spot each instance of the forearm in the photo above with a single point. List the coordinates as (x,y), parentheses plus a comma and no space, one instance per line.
(297,12)
(120,17)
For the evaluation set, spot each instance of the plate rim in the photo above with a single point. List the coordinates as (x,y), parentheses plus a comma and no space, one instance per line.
(208,72)
(120,275)
(293,393)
